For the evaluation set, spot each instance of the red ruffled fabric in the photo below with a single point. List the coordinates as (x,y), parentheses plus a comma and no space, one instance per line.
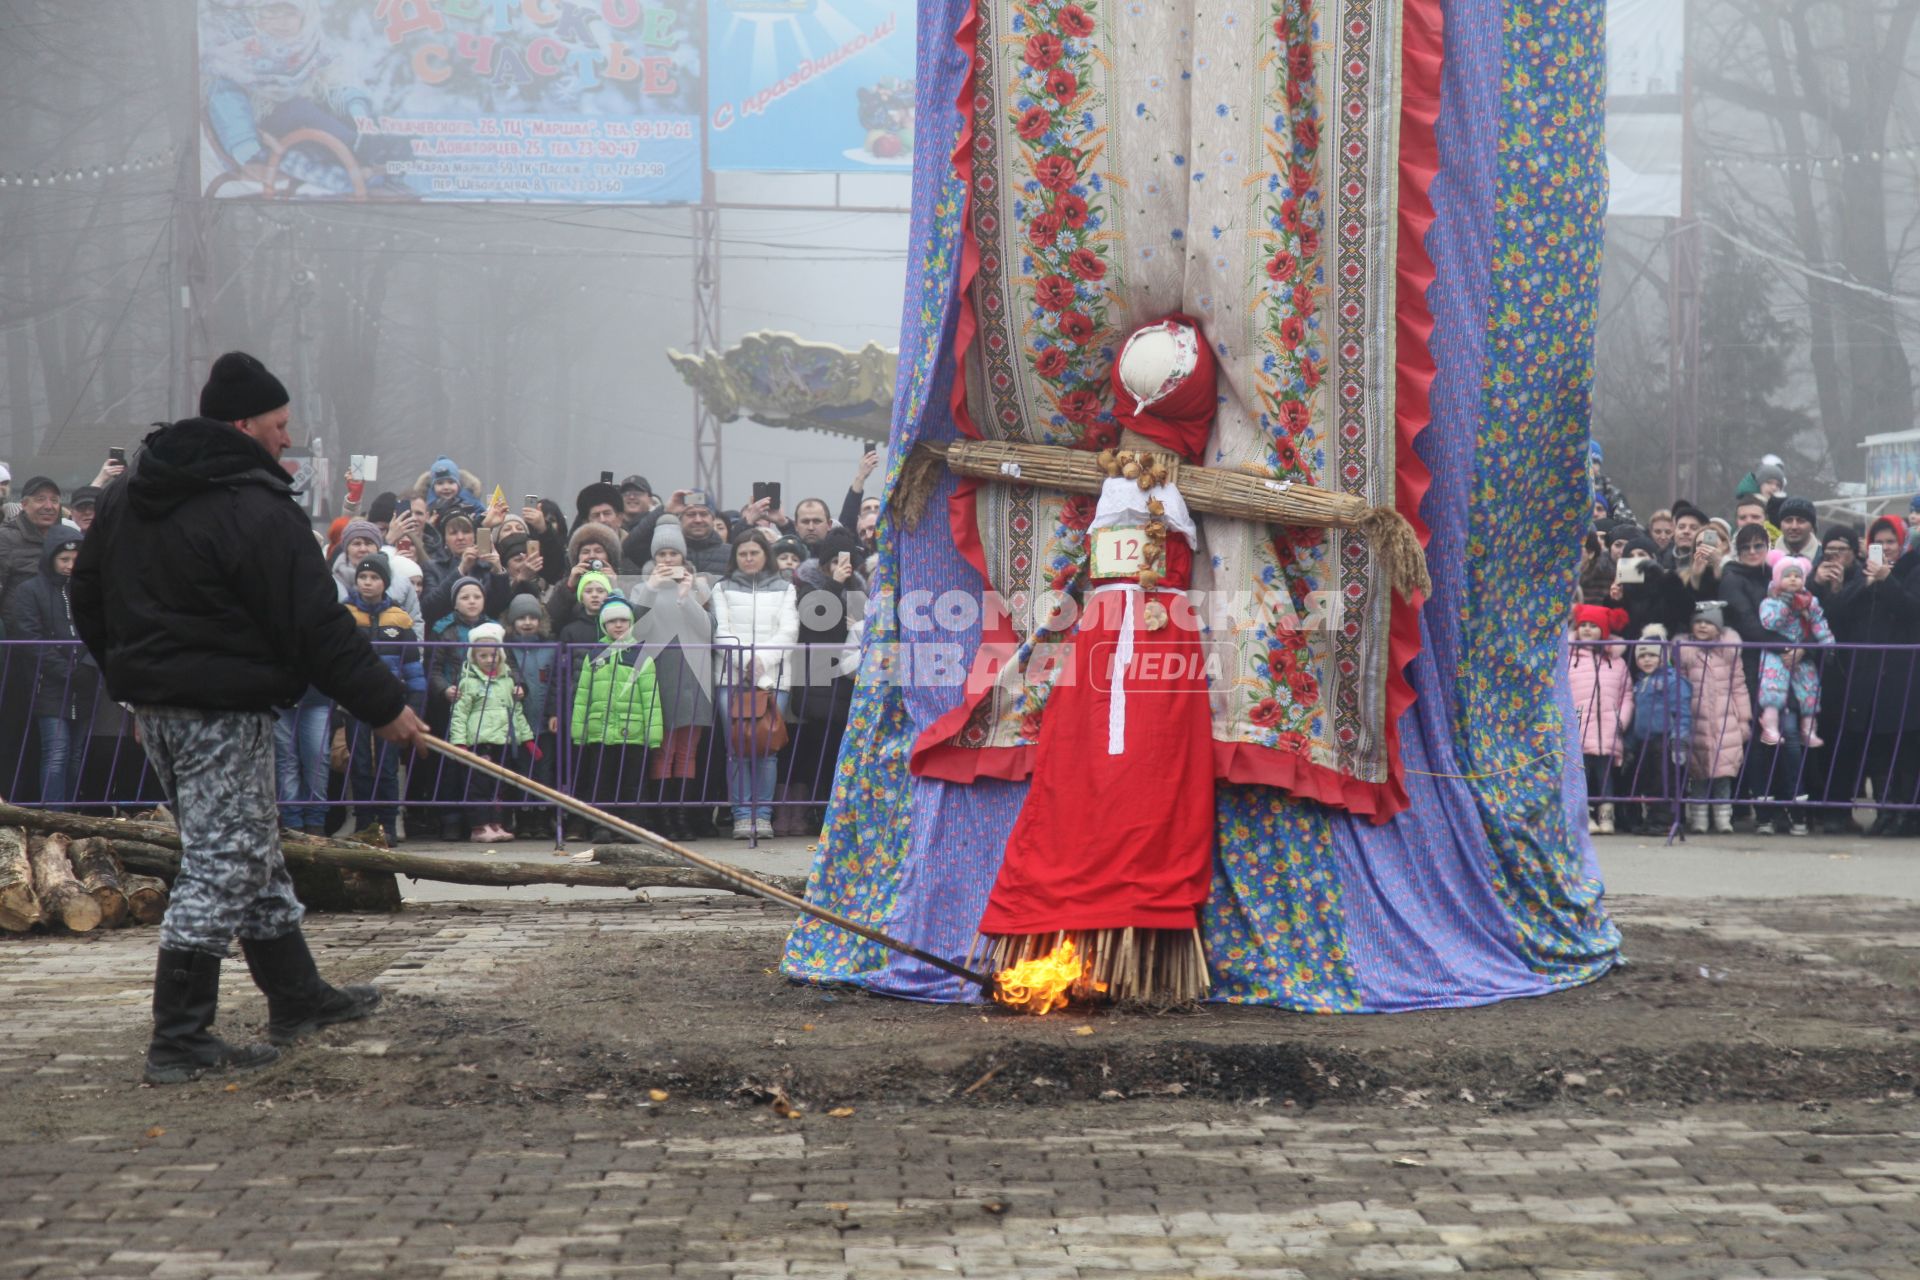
(934,754)
(1422,57)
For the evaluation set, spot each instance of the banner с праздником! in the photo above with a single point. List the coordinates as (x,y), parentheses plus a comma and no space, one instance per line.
(811,85)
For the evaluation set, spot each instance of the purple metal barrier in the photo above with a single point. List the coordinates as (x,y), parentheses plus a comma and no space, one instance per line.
(82,753)
(1841,723)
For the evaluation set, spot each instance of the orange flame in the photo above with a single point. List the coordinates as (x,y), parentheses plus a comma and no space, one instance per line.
(1040,985)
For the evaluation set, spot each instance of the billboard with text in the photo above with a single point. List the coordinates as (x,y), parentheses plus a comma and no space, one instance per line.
(476,100)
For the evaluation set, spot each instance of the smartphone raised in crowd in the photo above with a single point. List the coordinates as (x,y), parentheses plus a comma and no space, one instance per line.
(483,541)
(117,454)
(1876,555)
(606,477)
(533,500)
(695,498)
(768,489)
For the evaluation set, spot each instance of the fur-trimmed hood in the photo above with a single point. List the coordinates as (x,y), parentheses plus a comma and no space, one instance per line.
(469,486)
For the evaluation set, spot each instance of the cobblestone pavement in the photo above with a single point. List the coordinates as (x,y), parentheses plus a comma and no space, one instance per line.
(1239,1194)
(105,1179)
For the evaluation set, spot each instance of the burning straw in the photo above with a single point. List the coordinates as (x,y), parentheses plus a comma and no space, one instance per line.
(1039,972)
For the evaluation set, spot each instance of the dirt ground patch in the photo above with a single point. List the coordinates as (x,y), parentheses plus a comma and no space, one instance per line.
(1808,1005)
(1693,1018)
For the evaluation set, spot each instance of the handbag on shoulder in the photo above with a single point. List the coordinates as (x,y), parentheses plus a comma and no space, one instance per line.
(755,728)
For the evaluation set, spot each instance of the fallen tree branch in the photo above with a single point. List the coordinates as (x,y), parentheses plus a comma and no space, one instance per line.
(154,846)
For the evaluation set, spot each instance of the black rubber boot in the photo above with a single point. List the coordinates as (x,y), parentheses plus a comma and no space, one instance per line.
(186,994)
(299,1000)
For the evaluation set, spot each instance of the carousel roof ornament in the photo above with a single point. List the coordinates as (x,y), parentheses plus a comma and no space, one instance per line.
(782,380)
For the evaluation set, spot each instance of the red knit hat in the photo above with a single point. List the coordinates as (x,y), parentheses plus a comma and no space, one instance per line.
(1610,621)
(1182,418)
(334,531)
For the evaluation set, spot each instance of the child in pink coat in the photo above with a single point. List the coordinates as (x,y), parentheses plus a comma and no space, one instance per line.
(1602,683)
(1722,716)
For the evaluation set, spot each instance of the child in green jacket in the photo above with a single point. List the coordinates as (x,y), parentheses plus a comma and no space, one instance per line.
(617,717)
(487,718)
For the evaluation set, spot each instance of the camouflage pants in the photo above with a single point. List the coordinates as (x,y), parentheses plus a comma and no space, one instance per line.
(217,768)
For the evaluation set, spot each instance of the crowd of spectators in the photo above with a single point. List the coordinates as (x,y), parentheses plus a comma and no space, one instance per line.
(1752,667)
(1756,668)
(691,659)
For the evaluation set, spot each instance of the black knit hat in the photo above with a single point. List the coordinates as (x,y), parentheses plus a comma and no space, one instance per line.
(1792,507)
(239,387)
(836,541)
(1642,543)
(1682,507)
(375,563)
(1842,533)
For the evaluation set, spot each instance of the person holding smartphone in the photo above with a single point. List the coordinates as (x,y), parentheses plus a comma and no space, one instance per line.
(112,469)
(593,548)
(755,624)
(1649,593)
(548,527)
(707,549)
(831,596)
(854,503)
(1878,687)
(671,605)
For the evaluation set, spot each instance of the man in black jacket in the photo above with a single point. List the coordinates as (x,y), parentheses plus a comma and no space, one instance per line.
(222,611)
(1834,774)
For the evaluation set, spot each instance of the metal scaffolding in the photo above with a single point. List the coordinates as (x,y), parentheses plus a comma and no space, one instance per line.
(706,336)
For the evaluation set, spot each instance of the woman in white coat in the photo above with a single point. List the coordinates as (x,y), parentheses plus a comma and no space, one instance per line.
(753,608)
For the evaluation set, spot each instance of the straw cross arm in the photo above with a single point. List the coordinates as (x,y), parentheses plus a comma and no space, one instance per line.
(1240,493)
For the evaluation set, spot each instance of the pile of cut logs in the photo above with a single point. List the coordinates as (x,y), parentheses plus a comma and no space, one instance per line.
(78,885)
(329,875)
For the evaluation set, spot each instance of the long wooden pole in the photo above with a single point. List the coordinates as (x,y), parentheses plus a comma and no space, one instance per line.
(153,846)
(720,870)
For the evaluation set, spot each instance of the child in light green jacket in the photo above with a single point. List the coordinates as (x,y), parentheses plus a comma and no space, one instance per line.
(617,717)
(487,719)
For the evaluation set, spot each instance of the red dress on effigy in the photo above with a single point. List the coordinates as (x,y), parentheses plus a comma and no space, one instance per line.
(1121,841)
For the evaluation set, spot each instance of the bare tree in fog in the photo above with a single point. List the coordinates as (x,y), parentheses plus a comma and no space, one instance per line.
(1632,391)
(1745,402)
(86,284)
(1798,108)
